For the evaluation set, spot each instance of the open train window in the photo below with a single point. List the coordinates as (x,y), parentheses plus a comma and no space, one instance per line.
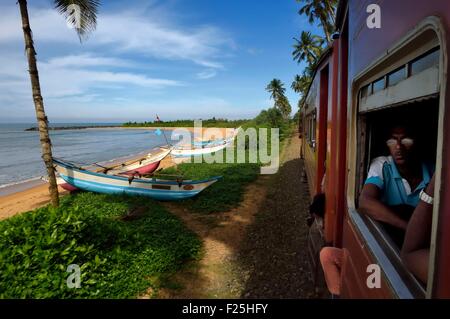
(421,117)
(407,95)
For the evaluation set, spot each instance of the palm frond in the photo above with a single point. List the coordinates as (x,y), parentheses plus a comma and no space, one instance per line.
(85,20)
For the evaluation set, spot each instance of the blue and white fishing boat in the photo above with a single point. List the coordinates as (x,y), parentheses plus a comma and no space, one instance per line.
(208,143)
(180,151)
(112,184)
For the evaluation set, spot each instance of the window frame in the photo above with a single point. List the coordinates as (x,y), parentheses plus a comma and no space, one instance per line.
(430,25)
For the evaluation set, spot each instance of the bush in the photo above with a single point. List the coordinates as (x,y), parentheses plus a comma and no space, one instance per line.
(118,258)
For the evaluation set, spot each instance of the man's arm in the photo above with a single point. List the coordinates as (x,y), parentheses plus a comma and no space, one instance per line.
(416,249)
(370,204)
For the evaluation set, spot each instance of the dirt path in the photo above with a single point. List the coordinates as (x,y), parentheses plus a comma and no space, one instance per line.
(274,250)
(257,250)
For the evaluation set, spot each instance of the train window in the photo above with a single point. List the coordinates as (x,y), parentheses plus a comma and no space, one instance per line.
(379,85)
(396,76)
(377,126)
(424,62)
(402,90)
(415,79)
(310,129)
(366,91)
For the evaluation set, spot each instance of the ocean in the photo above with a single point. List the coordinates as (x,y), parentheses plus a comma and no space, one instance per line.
(20,150)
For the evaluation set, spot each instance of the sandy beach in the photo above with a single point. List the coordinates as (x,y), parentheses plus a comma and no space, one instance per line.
(18,200)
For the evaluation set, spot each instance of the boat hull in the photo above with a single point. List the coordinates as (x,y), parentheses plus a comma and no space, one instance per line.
(146,169)
(65,185)
(198,151)
(153,188)
(146,166)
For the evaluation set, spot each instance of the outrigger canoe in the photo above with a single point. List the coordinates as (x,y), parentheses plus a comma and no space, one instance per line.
(115,184)
(219,141)
(139,166)
(210,147)
(188,151)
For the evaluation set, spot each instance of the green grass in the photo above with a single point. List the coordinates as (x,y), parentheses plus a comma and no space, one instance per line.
(118,258)
(225,194)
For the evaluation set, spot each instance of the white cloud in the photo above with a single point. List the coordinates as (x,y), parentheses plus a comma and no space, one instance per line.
(161,40)
(208,74)
(88,59)
(60,80)
(129,31)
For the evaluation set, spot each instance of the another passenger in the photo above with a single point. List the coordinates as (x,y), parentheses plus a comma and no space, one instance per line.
(416,249)
(331,260)
(391,191)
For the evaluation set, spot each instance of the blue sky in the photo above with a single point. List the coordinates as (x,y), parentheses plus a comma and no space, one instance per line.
(175,58)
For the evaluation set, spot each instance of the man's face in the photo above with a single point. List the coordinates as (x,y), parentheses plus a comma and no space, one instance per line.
(400,145)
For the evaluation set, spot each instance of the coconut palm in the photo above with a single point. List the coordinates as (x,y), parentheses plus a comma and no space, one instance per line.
(301,83)
(276,89)
(84,25)
(308,48)
(323,11)
(284,106)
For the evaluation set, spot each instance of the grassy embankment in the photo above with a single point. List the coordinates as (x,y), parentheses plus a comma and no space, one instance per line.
(123,245)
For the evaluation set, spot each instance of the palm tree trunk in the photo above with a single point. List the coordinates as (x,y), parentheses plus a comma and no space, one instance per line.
(39,104)
(324,23)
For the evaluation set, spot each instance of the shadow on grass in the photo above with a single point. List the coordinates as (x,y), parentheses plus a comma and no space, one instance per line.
(223,195)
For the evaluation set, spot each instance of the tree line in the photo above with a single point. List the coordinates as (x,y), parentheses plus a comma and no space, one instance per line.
(307,48)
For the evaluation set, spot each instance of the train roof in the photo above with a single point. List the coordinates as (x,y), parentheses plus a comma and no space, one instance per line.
(324,56)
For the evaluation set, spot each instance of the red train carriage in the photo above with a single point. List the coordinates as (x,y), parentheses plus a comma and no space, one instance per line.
(368,77)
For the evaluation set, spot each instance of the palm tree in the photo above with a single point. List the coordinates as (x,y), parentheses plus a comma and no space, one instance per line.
(276,89)
(284,106)
(301,83)
(308,48)
(322,10)
(86,24)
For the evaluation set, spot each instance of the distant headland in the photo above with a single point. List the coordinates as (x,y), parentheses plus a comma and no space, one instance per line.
(60,128)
